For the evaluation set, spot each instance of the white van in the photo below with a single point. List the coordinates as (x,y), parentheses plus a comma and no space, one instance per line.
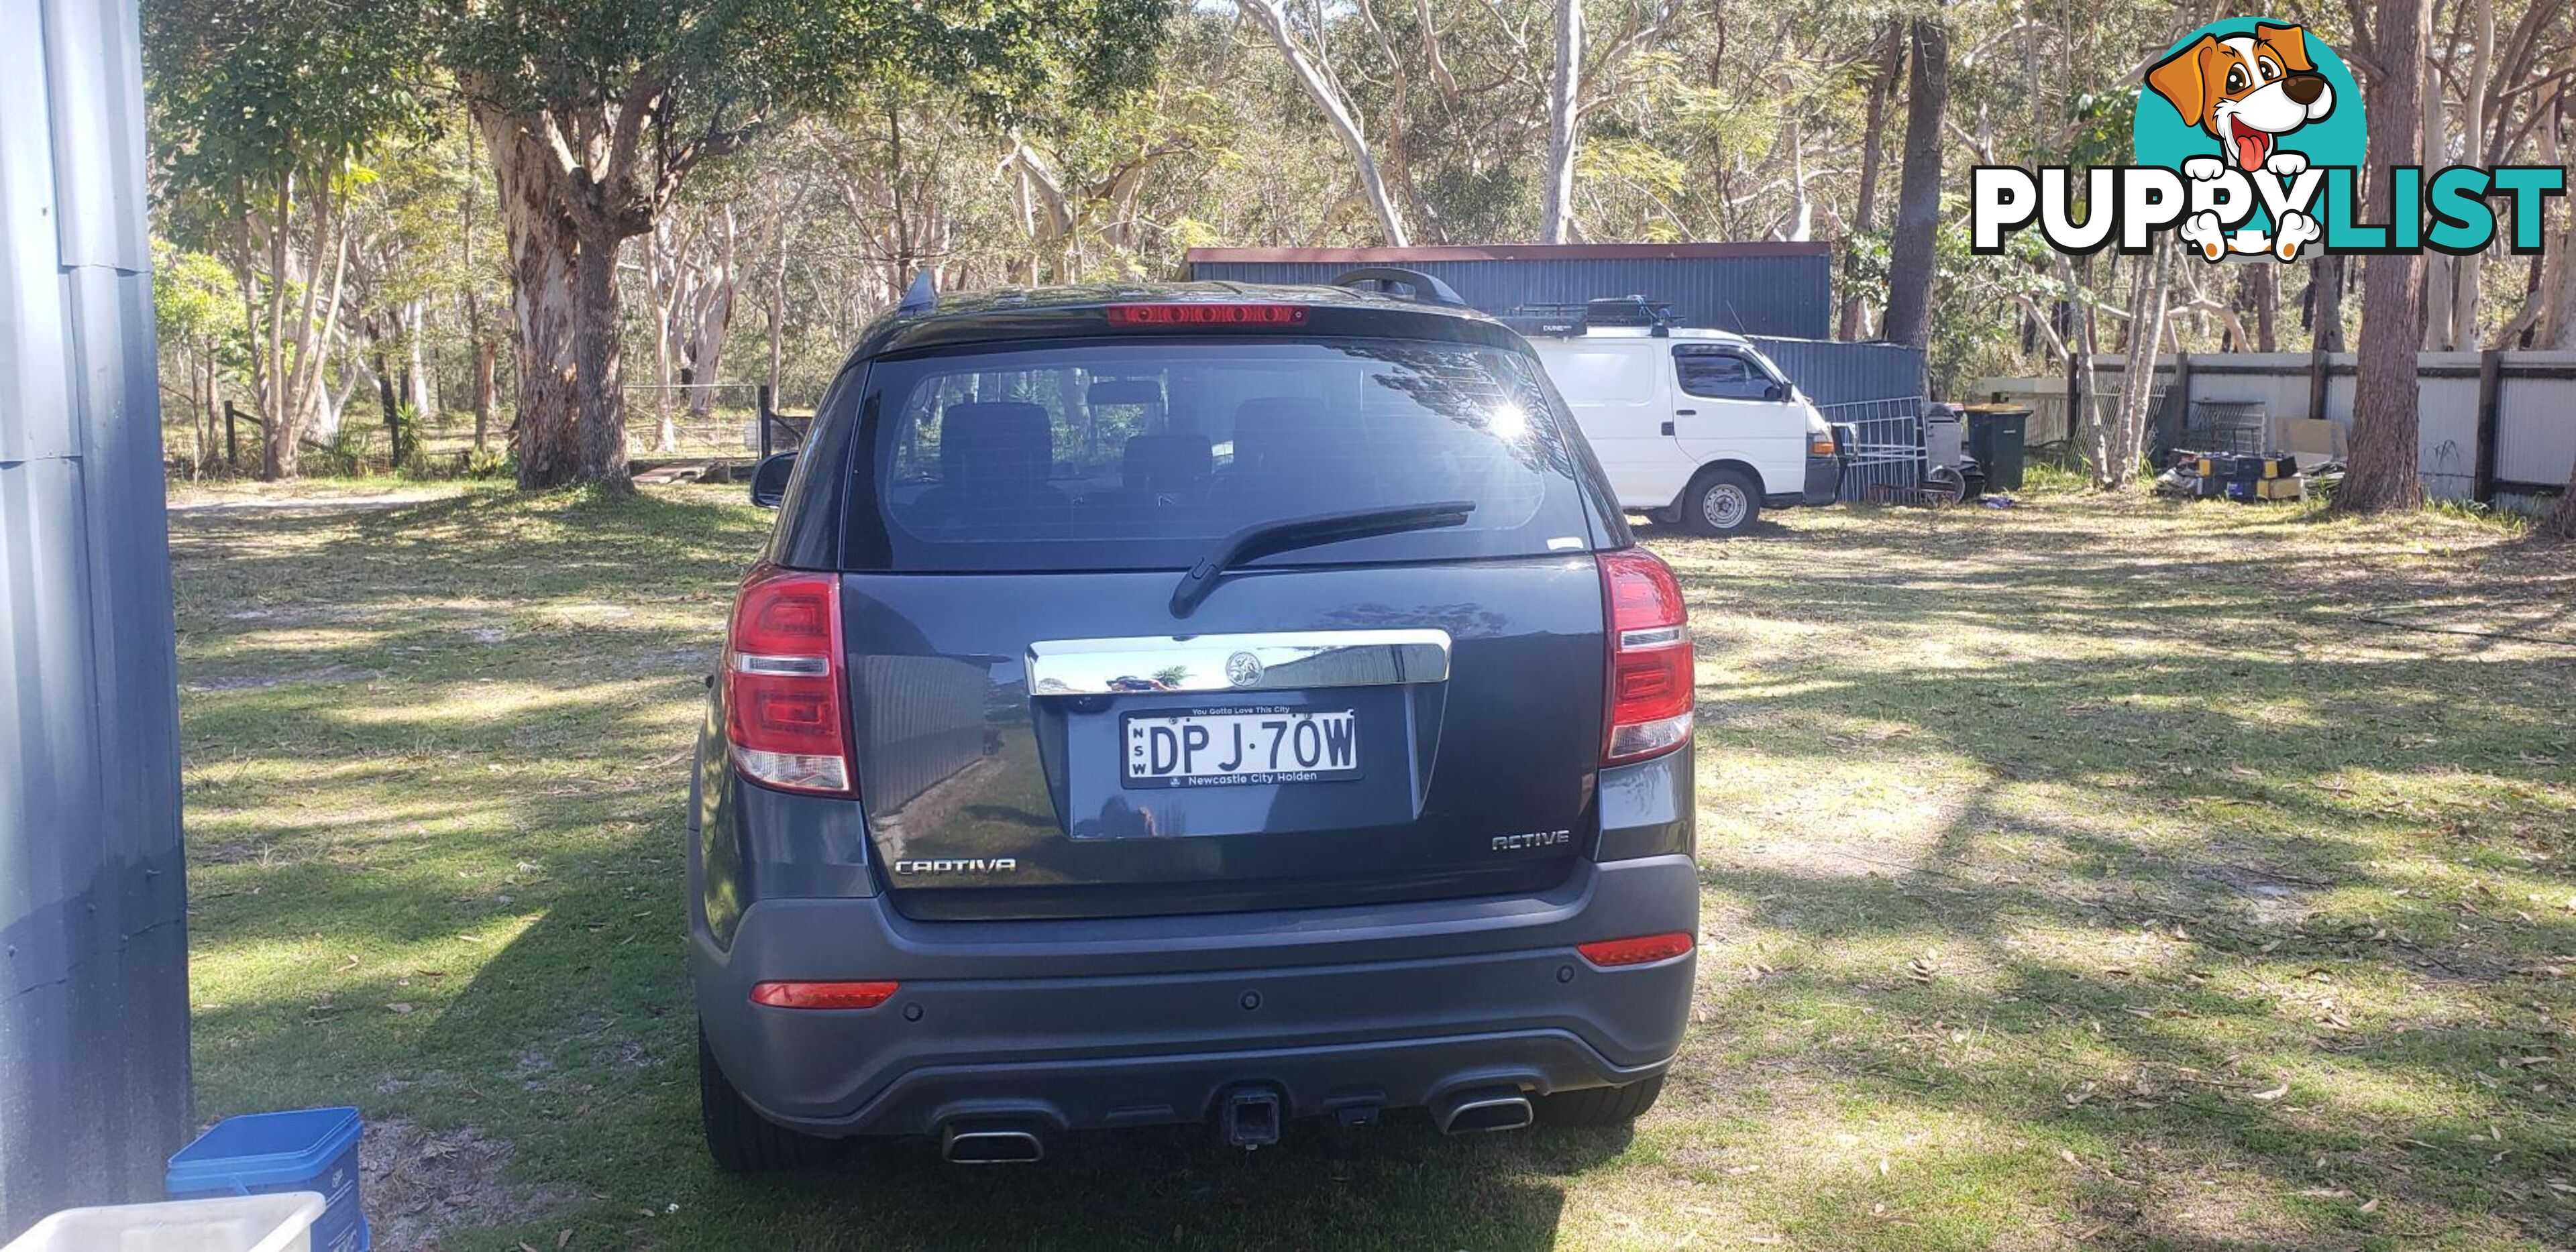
(1693,426)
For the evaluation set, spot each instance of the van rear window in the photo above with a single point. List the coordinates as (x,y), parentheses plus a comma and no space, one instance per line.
(1140,455)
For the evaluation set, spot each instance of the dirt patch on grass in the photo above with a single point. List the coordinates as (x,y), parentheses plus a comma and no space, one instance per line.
(420,1183)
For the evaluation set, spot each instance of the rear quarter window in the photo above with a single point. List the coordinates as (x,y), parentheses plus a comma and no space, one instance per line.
(1142,455)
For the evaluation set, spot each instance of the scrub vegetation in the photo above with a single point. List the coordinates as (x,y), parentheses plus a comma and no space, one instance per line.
(2102,872)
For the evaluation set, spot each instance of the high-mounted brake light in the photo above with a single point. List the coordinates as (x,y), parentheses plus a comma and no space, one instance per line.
(783,682)
(1647,705)
(1175,315)
(823,995)
(1642,950)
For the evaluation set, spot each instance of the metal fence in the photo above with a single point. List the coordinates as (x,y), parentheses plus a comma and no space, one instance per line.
(1881,443)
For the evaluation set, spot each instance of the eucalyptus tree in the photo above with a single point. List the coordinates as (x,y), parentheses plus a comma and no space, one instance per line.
(598,114)
(2382,474)
(261,109)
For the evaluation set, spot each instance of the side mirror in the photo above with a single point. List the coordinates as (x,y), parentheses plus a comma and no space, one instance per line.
(1775,393)
(769,480)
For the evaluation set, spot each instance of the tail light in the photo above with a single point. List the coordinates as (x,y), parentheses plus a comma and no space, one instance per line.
(823,995)
(1220,315)
(1642,950)
(1648,701)
(783,682)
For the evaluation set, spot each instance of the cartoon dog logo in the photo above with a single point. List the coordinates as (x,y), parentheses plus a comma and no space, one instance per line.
(2246,91)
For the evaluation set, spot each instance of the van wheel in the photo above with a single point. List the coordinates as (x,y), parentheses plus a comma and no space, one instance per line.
(1721,502)
(1600,1106)
(738,1137)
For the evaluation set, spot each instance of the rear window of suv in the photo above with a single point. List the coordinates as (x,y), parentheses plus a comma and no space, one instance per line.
(1141,455)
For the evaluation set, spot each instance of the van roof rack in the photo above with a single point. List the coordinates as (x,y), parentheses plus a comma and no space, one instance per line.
(1424,286)
(1565,321)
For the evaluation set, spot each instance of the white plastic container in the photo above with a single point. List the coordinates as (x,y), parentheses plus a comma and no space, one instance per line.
(278,1222)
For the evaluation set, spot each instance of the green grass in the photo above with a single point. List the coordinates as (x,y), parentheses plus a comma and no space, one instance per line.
(2092,872)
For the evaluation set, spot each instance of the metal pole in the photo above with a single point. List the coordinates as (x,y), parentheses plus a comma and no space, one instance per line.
(232,437)
(93,904)
(764,421)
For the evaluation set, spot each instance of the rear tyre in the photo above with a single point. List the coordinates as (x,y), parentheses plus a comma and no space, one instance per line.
(1600,1106)
(738,1137)
(1721,503)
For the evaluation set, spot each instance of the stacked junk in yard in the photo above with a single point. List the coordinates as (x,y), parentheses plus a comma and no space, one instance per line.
(1777,295)
(2492,427)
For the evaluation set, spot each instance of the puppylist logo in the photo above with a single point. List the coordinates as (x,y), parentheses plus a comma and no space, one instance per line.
(2249,136)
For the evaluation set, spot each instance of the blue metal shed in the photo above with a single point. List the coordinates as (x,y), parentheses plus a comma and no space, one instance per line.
(1750,288)
(93,902)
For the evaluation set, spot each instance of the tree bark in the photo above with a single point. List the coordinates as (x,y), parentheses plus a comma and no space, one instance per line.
(2381,471)
(1563,121)
(2120,439)
(2267,309)
(2465,276)
(1918,189)
(543,246)
(2325,303)
(2561,522)
(598,362)
(486,358)
(475,331)
(1882,87)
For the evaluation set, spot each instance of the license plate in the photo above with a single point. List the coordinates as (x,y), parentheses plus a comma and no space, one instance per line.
(1239,746)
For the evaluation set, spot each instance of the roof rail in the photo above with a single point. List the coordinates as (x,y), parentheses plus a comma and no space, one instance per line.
(1425,287)
(1578,317)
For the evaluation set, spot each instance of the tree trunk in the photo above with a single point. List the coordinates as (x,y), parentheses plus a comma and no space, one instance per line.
(2465,277)
(543,248)
(1563,120)
(2325,302)
(2440,335)
(2267,307)
(598,363)
(2561,522)
(2381,473)
(2119,439)
(486,354)
(1918,189)
(385,393)
(1882,87)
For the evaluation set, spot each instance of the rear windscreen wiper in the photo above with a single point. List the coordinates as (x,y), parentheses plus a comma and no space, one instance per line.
(1264,538)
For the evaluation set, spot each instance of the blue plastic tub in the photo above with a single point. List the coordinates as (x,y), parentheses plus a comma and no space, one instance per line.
(305,1150)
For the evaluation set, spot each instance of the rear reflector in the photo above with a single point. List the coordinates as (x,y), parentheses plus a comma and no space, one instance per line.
(1642,950)
(823,995)
(1648,699)
(1175,315)
(782,682)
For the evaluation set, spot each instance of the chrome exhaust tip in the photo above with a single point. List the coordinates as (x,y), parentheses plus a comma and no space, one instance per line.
(1490,1109)
(990,1145)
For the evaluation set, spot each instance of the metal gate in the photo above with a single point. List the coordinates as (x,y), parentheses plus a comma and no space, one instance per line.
(1881,442)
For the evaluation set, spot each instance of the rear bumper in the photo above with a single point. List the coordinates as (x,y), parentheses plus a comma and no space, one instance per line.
(1072,1025)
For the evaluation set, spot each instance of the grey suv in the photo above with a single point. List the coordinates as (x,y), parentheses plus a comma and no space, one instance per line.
(1195,703)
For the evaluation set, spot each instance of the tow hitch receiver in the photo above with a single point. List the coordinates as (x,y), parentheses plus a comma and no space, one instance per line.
(1248,1117)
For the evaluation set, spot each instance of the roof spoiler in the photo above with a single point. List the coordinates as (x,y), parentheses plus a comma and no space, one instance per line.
(1424,286)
